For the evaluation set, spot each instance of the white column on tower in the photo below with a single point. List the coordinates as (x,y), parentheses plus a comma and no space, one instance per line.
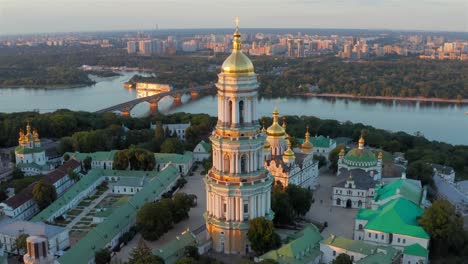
(231,201)
(235,117)
(268,201)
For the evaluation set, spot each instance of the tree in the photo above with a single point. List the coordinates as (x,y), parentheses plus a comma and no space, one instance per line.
(73,175)
(172,145)
(102,256)
(20,243)
(343,259)
(154,219)
(333,158)
(191,252)
(321,160)
(66,157)
(422,171)
(44,194)
(444,226)
(182,204)
(87,163)
(65,145)
(281,205)
(142,255)
(300,199)
(17,173)
(121,161)
(262,235)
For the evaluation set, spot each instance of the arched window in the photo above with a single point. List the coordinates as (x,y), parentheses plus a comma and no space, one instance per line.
(338,201)
(360,227)
(227,163)
(359,203)
(241,112)
(229,121)
(244,164)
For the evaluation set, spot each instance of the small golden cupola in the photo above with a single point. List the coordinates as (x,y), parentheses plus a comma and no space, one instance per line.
(341,153)
(380,156)
(361,142)
(36,136)
(29,135)
(288,155)
(307,146)
(275,130)
(21,137)
(237,63)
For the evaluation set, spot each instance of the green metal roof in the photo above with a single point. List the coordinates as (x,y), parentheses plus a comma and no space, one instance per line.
(23,150)
(307,242)
(415,250)
(169,251)
(33,165)
(404,187)
(121,217)
(398,216)
(357,246)
(322,142)
(174,157)
(384,255)
(206,145)
(360,155)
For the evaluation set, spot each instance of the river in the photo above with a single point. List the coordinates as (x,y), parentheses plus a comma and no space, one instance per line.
(437,121)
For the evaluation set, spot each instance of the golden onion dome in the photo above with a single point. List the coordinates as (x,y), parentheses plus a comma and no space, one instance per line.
(237,62)
(275,130)
(361,142)
(267,145)
(35,135)
(289,153)
(307,146)
(380,155)
(342,152)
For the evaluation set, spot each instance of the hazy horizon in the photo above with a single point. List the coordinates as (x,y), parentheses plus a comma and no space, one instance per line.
(56,16)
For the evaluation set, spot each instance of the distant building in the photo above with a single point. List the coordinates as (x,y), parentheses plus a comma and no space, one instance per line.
(358,173)
(131,47)
(323,145)
(183,162)
(174,129)
(303,248)
(359,251)
(202,151)
(286,165)
(156,87)
(445,172)
(30,156)
(22,205)
(99,160)
(10,230)
(145,47)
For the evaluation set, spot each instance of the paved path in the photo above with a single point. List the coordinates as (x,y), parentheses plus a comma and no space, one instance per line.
(340,220)
(87,209)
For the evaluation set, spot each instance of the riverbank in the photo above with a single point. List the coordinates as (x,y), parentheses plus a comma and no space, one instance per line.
(392,98)
(48,86)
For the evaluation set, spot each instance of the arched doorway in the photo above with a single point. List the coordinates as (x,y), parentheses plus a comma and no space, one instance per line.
(338,201)
(349,203)
(359,203)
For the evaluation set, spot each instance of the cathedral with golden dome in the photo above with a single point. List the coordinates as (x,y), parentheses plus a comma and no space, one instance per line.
(238,187)
(30,156)
(287,165)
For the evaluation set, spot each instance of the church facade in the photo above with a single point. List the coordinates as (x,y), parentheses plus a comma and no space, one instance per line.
(30,156)
(238,187)
(358,173)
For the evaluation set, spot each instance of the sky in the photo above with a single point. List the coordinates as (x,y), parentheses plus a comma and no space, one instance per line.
(36,16)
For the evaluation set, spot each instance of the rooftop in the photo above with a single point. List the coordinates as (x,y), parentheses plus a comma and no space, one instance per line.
(170,249)
(174,157)
(17,227)
(405,187)
(398,216)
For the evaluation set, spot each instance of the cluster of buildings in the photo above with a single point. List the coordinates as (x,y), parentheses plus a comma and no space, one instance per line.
(457,50)
(456,192)
(152,46)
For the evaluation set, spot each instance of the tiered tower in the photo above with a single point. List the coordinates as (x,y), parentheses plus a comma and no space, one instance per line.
(238,188)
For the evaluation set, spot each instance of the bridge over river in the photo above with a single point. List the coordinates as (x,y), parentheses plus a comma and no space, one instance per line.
(153,100)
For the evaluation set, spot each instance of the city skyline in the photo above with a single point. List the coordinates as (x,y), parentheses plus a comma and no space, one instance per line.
(24,17)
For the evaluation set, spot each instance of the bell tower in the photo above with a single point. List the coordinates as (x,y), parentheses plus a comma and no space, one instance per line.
(238,188)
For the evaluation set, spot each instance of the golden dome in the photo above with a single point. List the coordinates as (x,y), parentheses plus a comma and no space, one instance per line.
(289,153)
(275,130)
(35,135)
(237,62)
(307,146)
(380,155)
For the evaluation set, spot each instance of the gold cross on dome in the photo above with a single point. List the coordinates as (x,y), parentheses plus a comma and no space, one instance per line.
(237,22)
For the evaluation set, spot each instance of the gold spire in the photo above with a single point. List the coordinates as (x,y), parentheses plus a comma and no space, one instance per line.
(380,155)
(237,62)
(288,155)
(21,137)
(275,130)
(361,141)
(284,122)
(28,128)
(263,126)
(307,146)
(35,135)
